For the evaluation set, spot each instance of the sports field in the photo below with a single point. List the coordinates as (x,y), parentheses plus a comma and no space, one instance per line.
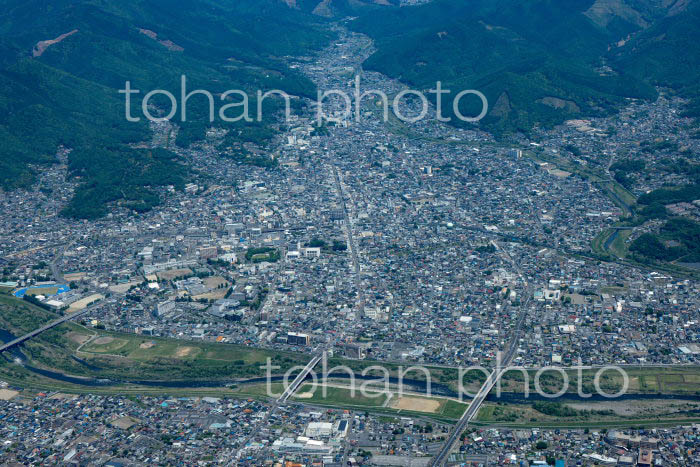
(343,397)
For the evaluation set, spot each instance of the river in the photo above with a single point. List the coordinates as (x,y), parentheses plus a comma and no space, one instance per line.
(412,385)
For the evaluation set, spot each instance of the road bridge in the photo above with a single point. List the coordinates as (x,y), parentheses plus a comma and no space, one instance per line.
(46,327)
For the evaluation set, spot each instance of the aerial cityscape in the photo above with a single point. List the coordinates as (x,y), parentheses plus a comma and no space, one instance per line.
(362,275)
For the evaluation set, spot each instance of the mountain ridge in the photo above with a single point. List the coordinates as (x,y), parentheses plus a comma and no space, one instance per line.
(524,56)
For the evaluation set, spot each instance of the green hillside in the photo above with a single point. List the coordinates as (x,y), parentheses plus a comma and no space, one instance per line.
(667,54)
(66,93)
(340,8)
(538,62)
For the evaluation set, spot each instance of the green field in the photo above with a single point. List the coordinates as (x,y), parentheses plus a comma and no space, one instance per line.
(454,409)
(145,349)
(260,391)
(593,415)
(339,397)
(409,404)
(373,401)
(125,357)
(682,380)
(618,247)
(641,380)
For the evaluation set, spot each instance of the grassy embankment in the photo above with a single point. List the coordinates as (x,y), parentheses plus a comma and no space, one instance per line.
(590,415)
(126,359)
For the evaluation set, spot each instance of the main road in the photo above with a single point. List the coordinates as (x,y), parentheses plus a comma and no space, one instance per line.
(350,240)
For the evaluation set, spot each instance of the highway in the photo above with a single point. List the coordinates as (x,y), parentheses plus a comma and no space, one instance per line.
(300,378)
(476,402)
(46,327)
(441,457)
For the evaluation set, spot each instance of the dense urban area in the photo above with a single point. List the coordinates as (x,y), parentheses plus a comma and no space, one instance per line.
(404,243)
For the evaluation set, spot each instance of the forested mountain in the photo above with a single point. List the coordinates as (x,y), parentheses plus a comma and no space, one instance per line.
(63,61)
(540,61)
(336,8)
(667,53)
